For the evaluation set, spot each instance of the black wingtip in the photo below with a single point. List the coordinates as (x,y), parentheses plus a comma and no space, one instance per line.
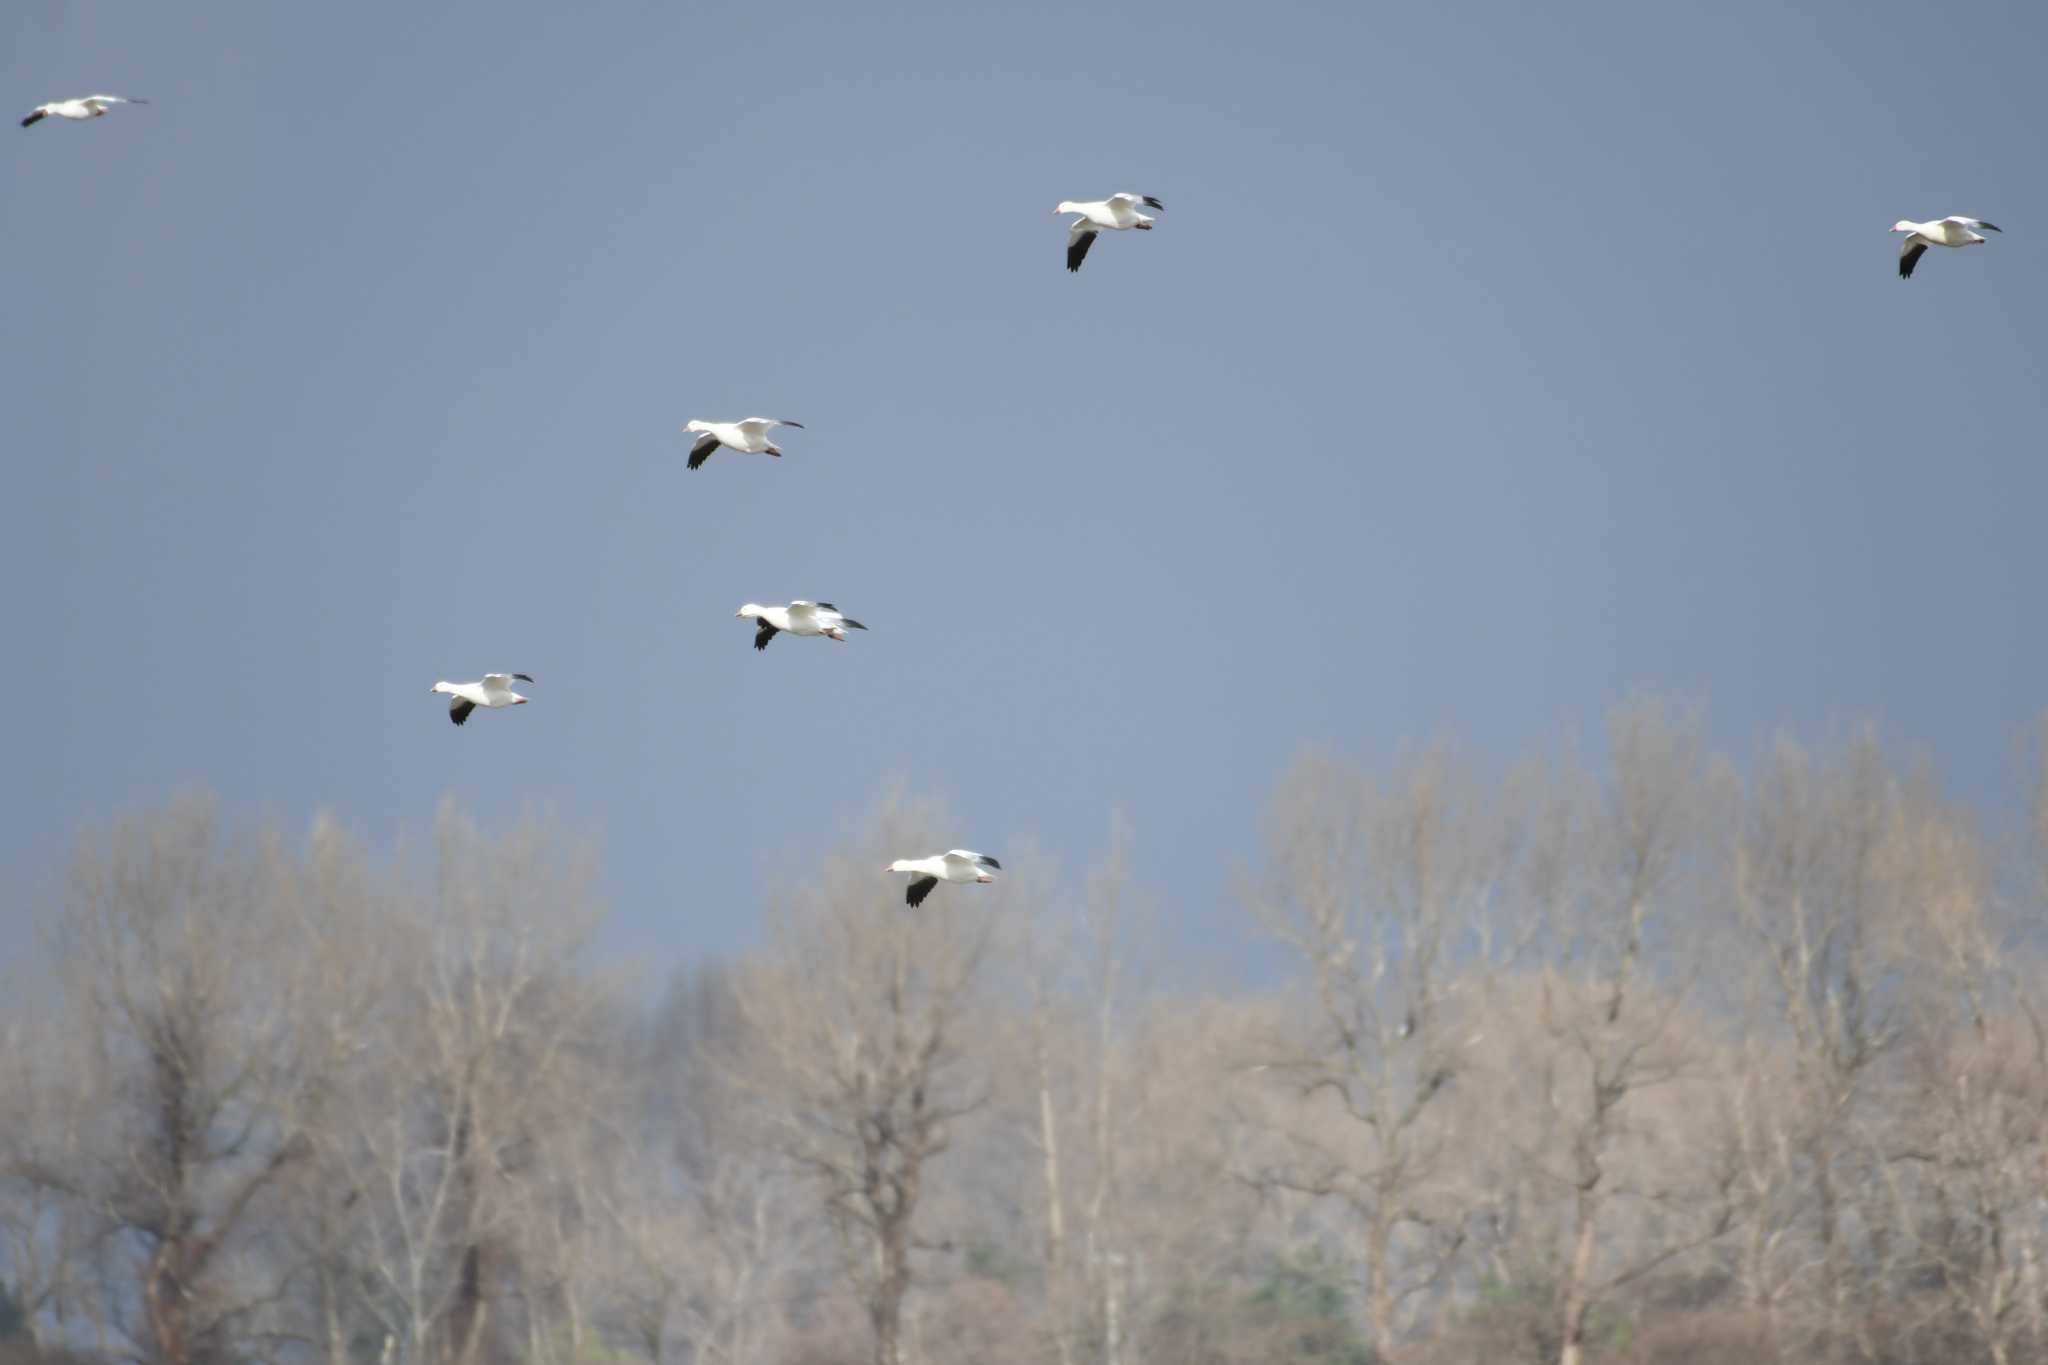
(523,677)
(992,863)
(32,120)
(1152,203)
(919,888)
(849,621)
(763,634)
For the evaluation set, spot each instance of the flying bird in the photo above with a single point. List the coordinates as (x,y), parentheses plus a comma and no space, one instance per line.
(749,436)
(92,106)
(1941,232)
(1117,212)
(956,865)
(798,618)
(494,691)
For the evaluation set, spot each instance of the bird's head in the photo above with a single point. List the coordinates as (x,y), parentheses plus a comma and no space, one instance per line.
(900,865)
(1065,206)
(694,424)
(441,687)
(751,609)
(1903,226)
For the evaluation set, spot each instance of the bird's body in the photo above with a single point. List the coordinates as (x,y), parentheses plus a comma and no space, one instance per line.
(954,865)
(1116,213)
(749,436)
(798,618)
(1953,231)
(78,110)
(491,692)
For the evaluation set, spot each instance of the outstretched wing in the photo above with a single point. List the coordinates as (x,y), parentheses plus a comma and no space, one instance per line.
(1974,223)
(763,635)
(501,682)
(459,709)
(1910,257)
(919,888)
(701,451)
(970,858)
(1078,243)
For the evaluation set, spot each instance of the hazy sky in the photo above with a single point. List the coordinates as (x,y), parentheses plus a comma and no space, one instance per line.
(1489,362)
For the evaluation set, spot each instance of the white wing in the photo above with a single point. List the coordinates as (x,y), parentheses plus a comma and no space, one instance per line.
(498,682)
(803,611)
(105,100)
(968,857)
(1973,223)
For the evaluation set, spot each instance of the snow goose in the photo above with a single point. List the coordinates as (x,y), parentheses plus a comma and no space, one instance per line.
(749,435)
(798,618)
(1941,232)
(1117,212)
(92,106)
(494,691)
(955,865)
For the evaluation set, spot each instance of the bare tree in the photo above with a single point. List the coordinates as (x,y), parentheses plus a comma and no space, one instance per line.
(173,1029)
(1378,891)
(470,1073)
(1605,866)
(855,1017)
(1817,889)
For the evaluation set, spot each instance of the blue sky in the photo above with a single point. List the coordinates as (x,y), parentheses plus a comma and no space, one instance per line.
(1490,362)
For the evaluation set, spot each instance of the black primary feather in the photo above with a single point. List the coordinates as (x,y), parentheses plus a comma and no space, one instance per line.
(1077,250)
(763,635)
(701,451)
(919,888)
(459,712)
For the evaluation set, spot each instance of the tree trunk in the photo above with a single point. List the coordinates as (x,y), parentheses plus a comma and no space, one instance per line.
(885,1314)
(1055,1199)
(1578,1283)
(1379,1293)
(165,1297)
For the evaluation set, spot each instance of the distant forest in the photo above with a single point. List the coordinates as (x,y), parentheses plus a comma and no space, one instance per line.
(1672,1058)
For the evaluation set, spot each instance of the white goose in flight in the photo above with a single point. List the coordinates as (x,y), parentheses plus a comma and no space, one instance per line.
(494,691)
(1941,232)
(955,865)
(749,436)
(92,106)
(1117,212)
(798,618)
